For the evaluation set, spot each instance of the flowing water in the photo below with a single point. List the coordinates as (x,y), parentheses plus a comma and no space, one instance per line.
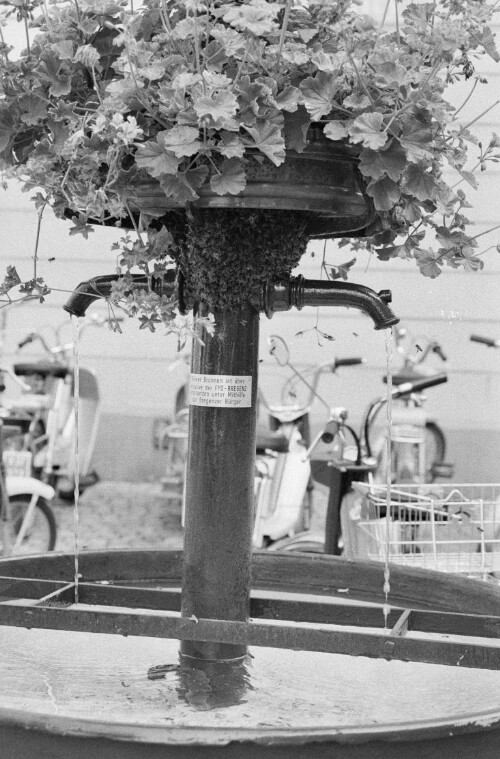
(389,350)
(76,401)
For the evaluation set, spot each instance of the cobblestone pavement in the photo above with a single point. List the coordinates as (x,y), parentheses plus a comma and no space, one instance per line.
(132,515)
(120,515)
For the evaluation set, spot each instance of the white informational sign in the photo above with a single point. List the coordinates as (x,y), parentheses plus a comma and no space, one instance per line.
(220,390)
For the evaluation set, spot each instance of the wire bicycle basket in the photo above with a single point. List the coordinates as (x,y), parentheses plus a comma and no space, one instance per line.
(445,527)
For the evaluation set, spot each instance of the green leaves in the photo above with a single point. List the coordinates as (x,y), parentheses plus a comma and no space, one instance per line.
(153,157)
(11,279)
(420,182)
(429,263)
(88,55)
(391,161)
(385,193)
(80,226)
(54,72)
(231,179)
(106,96)
(6,127)
(268,139)
(180,140)
(486,39)
(417,142)
(342,270)
(35,288)
(221,107)
(318,94)
(369,130)
(183,185)
(336,130)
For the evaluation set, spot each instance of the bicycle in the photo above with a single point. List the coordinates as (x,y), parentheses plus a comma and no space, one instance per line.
(449,528)
(27,520)
(47,398)
(418,444)
(285,468)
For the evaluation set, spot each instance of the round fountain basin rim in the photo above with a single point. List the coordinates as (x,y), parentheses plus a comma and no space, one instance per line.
(205,737)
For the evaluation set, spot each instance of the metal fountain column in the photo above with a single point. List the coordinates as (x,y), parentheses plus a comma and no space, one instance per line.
(220,477)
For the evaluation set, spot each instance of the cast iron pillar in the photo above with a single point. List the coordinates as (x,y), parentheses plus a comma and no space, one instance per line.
(220,477)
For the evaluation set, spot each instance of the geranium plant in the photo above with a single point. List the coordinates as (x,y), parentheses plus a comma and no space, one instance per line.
(187,93)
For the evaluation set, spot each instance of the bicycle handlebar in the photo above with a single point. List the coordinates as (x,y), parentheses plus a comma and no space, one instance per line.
(347,362)
(436,348)
(28,339)
(7,370)
(61,351)
(313,384)
(491,343)
(406,388)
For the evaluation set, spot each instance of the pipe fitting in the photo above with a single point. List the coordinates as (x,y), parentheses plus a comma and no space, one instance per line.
(299,292)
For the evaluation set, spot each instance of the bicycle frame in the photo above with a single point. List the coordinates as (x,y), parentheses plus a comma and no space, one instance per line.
(409,430)
(284,469)
(26,487)
(34,488)
(53,413)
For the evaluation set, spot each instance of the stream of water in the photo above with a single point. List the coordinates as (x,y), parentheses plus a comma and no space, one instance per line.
(389,351)
(76,401)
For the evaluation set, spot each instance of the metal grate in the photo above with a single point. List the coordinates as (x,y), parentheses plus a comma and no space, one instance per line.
(328,623)
(449,528)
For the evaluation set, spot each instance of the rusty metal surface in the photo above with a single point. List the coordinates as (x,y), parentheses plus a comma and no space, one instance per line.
(352,641)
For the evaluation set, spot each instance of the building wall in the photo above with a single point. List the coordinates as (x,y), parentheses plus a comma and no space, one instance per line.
(139,375)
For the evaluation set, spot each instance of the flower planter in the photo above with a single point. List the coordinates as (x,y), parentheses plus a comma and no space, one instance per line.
(323,181)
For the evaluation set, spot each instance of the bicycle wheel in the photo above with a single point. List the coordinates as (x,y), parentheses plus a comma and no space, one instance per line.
(435,449)
(41,533)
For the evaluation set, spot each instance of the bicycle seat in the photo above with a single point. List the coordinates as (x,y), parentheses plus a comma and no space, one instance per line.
(13,426)
(44,368)
(273,441)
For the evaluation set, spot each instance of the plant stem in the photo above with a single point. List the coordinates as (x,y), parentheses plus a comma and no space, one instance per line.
(136,228)
(284,27)
(197,52)
(360,78)
(140,98)
(37,241)
(4,45)
(26,30)
(486,232)
(466,126)
(468,97)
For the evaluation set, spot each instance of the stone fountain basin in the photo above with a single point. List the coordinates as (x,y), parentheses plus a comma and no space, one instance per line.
(74,694)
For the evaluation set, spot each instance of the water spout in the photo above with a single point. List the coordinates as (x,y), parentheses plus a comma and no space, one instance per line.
(295,292)
(300,292)
(100,287)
